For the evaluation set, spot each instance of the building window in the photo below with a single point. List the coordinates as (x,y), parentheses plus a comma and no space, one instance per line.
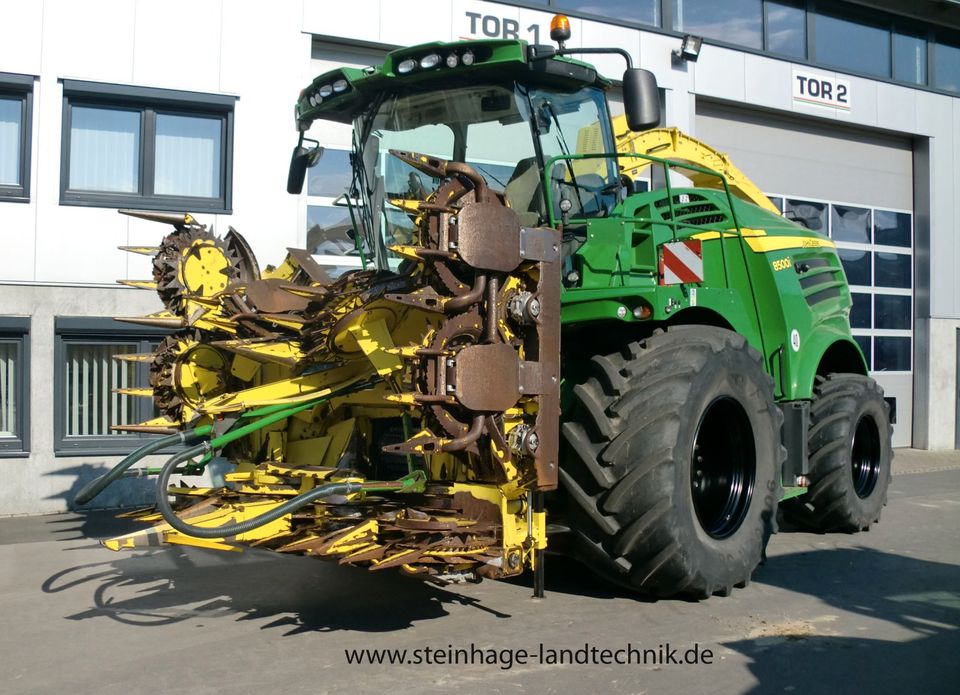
(88,381)
(147,148)
(732,21)
(14,386)
(850,224)
(851,45)
(909,58)
(16,118)
(639,11)
(892,228)
(946,67)
(786,28)
(812,215)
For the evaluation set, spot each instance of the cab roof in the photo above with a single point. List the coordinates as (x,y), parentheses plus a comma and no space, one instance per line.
(341,94)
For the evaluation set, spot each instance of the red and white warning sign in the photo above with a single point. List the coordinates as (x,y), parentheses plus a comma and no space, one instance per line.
(680,262)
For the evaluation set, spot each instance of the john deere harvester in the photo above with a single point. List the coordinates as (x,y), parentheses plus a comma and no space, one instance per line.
(552,327)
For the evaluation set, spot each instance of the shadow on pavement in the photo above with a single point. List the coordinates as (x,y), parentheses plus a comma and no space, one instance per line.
(125,492)
(564,575)
(92,526)
(919,596)
(171,584)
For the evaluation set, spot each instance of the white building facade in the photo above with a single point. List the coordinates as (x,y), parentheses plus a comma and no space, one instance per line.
(846,114)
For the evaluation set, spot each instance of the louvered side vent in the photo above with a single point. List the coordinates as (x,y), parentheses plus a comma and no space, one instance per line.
(821,282)
(692,209)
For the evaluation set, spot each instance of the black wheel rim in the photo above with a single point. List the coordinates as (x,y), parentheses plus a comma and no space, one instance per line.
(865,457)
(723,468)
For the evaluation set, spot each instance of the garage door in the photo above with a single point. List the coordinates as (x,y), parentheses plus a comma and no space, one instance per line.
(857,187)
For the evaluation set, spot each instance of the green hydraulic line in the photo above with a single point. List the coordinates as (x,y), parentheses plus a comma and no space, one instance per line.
(98,485)
(414,482)
(268,415)
(278,412)
(199,466)
(243,430)
(274,414)
(264,410)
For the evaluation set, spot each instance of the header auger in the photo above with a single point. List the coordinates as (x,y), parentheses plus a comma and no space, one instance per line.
(418,412)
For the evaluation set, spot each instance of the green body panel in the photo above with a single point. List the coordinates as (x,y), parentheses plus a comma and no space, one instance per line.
(748,281)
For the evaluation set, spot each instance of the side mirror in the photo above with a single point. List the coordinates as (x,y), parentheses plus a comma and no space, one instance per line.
(301,160)
(641,99)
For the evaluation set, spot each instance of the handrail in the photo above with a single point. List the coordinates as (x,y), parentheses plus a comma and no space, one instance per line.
(673,224)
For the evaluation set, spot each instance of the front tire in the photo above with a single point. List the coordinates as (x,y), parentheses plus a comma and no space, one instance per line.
(671,461)
(850,456)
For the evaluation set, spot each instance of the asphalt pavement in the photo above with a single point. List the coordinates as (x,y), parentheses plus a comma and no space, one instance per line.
(875,612)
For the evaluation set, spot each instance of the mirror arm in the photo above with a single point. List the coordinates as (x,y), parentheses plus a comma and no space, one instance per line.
(544,52)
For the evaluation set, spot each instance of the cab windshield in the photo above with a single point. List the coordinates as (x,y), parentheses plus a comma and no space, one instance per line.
(506,132)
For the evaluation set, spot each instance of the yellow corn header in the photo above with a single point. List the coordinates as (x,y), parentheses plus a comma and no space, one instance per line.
(385,420)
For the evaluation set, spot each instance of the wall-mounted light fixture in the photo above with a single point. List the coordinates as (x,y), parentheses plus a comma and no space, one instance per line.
(689,49)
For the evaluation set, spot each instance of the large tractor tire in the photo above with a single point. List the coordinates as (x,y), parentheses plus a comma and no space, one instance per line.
(670,471)
(850,452)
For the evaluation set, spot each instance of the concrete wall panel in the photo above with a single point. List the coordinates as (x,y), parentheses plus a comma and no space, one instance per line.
(767,82)
(897,107)
(177,44)
(73,48)
(361,23)
(719,73)
(22,24)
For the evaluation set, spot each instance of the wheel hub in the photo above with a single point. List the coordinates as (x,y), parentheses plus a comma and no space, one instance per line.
(865,457)
(723,468)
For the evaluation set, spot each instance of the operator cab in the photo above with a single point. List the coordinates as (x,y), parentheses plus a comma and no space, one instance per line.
(507,132)
(534,124)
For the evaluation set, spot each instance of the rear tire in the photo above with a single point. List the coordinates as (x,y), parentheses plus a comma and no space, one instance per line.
(850,456)
(670,467)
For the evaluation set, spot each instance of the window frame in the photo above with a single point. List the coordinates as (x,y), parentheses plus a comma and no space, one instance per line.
(149,102)
(17,329)
(93,330)
(20,87)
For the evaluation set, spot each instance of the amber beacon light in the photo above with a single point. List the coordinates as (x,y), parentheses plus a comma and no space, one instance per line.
(560,29)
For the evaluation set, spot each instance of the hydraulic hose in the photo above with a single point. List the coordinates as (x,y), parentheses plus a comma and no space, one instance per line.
(288,507)
(266,415)
(271,414)
(98,485)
